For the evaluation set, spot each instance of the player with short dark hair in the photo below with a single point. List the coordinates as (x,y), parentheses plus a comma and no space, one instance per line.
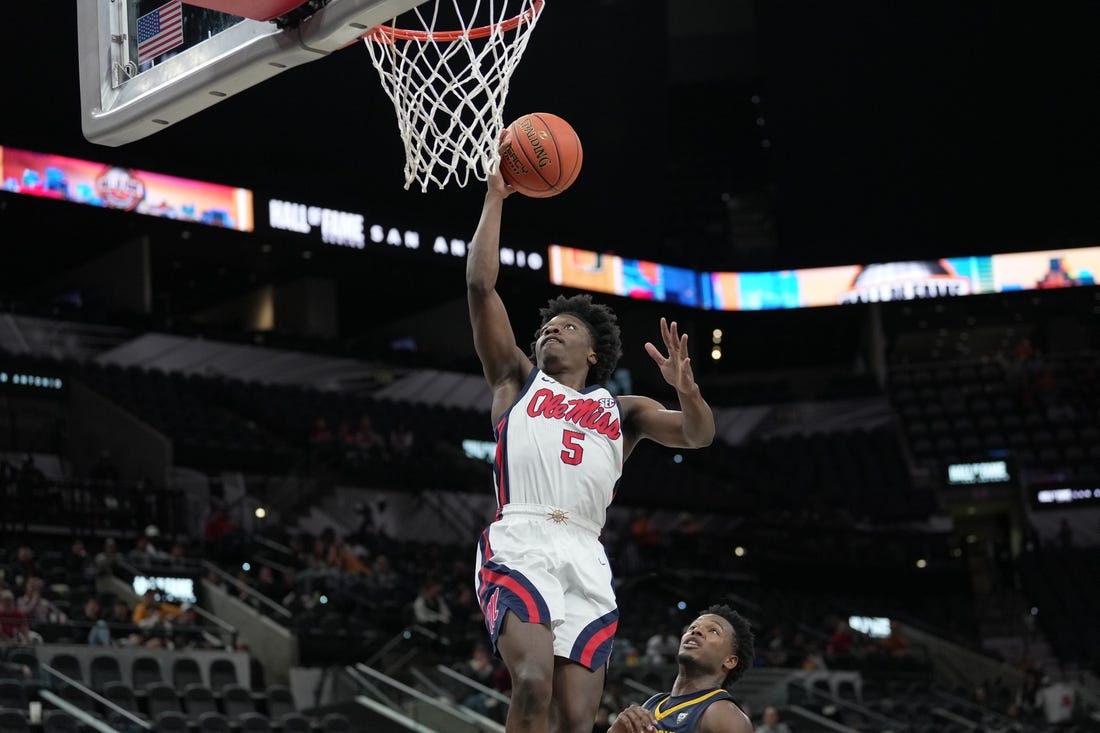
(715,650)
(542,576)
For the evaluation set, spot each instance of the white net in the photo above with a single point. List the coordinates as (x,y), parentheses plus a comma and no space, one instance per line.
(448,79)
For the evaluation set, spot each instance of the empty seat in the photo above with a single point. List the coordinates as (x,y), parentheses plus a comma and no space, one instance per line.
(254,723)
(13,721)
(279,702)
(335,723)
(26,658)
(213,722)
(294,723)
(146,671)
(68,665)
(186,672)
(237,701)
(121,695)
(58,721)
(222,672)
(103,671)
(12,695)
(170,722)
(198,699)
(161,698)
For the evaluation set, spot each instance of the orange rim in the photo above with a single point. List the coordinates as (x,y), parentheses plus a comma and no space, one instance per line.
(389,34)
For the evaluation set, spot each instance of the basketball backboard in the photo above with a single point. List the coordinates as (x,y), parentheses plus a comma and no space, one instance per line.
(146,64)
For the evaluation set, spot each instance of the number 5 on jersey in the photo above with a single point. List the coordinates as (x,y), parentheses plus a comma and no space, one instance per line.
(573,452)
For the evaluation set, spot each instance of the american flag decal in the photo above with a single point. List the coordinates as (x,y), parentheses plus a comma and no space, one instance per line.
(160,31)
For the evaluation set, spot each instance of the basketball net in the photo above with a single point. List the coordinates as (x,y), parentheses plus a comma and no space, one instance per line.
(448,85)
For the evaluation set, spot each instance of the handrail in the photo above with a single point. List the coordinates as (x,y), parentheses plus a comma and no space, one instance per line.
(273,545)
(403,720)
(974,707)
(456,711)
(87,719)
(248,590)
(820,719)
(370,687)
(95,696)
(219,622)
(456,675)
(639,687)
(965,722)
(272,564)
(864,711)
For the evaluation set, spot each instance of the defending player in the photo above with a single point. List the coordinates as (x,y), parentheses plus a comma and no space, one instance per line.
(715,651)
(543,579)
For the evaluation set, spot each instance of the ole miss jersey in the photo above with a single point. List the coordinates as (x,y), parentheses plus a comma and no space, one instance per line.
(560,448)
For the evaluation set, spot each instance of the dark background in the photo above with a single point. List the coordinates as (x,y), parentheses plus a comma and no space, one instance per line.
(718,135)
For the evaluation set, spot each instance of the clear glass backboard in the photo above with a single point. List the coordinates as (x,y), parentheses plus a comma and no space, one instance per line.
(146,64)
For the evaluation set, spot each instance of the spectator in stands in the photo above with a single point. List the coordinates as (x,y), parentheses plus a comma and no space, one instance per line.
(88,622)
(154,617)
(662,647)
(646,536)
(121,622)
(270,586)
(151,610)
(78,564)
(11,618)
(105,561)
(187,631)
(345,562)
(220,534)
(37,608)
(481,667)
(771,722)
(152,546)
(177,556)
(841,642)
(364,443)
(401,441)
(715,651)
(139,554)
(383,580)
(25,566)
(430,609)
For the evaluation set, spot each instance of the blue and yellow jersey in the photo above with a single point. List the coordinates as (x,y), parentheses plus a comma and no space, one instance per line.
(681,714)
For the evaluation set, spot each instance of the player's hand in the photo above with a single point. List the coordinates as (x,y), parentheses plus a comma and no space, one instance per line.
(676,367)
(495,180)
(635,719)
(498,187)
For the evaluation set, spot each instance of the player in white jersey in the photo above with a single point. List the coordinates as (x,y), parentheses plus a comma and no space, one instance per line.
(543,578)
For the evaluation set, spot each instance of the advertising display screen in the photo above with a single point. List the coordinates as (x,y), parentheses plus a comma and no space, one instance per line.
(824,286)
(113,187)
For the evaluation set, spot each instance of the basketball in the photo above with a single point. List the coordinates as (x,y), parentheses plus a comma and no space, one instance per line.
(540,155)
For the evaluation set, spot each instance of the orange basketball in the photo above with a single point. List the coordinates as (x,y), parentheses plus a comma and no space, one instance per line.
(540,155)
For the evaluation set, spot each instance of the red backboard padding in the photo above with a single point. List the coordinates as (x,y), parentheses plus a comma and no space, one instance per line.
(254,9)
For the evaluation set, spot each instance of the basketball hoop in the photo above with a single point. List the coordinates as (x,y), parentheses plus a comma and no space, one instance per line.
(448,86)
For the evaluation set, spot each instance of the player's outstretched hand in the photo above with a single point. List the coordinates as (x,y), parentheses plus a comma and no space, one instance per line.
(676,367)
(497,185)
(635,719)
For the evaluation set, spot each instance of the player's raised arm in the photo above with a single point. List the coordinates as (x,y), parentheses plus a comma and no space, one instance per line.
(494,341)
(692,426)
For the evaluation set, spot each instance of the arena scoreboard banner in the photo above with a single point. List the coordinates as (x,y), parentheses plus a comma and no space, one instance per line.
(823,286)
(114,187)
(1070,495)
